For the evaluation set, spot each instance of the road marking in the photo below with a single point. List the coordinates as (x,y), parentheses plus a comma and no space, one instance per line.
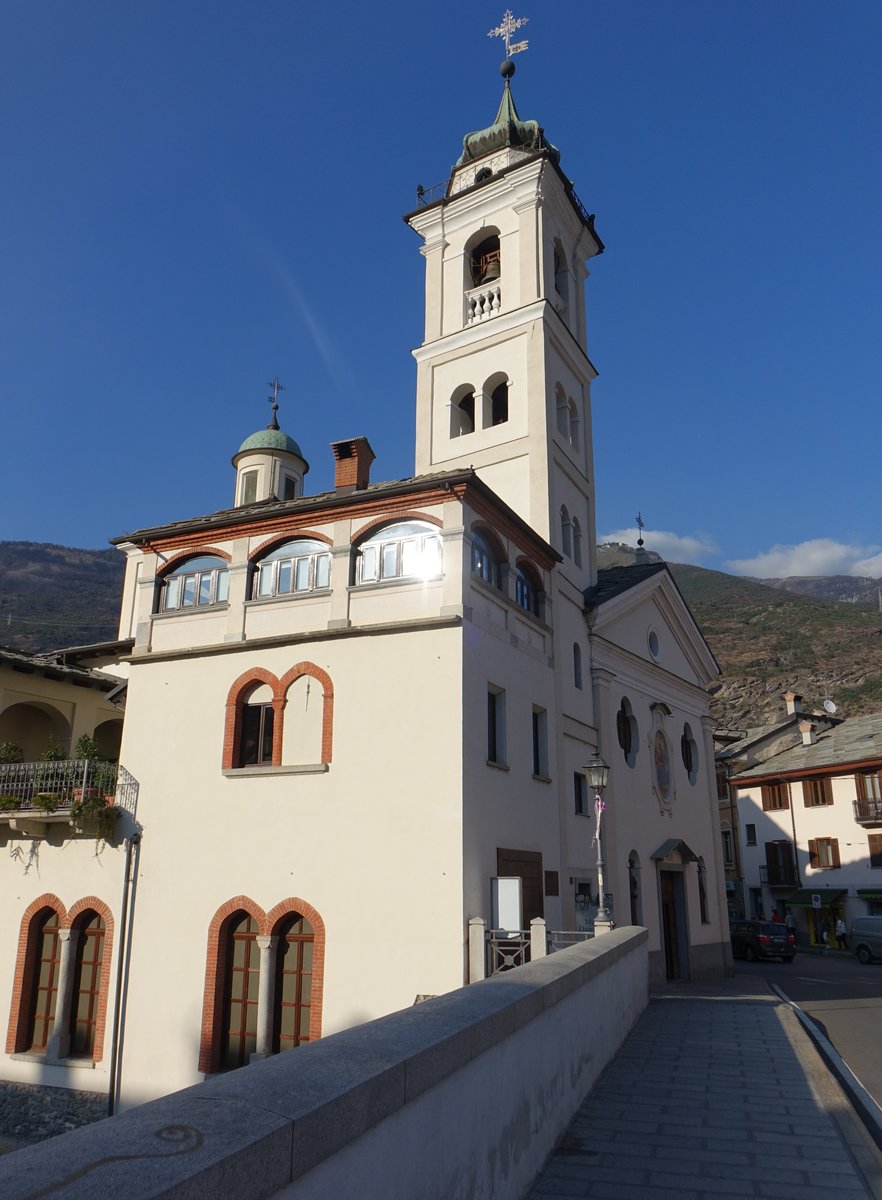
(810,979)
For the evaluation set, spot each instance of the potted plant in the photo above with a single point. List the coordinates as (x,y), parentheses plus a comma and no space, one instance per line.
(50,781)
(101,774)
(10,752)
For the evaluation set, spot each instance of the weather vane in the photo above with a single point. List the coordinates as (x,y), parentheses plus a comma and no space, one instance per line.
(640,528)
(506,29)
(273,400)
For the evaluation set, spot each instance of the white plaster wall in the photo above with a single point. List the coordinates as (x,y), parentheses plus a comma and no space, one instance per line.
(374,844)
(70,868)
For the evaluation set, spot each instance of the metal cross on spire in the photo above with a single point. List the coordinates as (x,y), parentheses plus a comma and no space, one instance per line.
(273,400)
(640,527)
(506,29)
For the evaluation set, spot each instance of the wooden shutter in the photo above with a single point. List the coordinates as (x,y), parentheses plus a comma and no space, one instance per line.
(807,793)
(766,801)
(834,849)
(875,840)
(813,853)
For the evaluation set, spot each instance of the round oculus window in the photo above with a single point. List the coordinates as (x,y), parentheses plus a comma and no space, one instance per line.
(652,642)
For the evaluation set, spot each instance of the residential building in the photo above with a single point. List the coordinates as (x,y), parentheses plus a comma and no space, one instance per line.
(811,819)
(351,714)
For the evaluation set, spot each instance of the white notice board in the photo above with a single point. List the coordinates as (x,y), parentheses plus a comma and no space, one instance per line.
(507,904)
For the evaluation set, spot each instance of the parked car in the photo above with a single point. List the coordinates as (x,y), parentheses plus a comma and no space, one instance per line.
(762,939)
(865,938)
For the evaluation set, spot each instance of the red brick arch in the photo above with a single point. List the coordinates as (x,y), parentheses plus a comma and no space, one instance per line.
(23,980)
(290,535)
(216,967)
(192,552)
(308,668)
(236,699)
(393,518)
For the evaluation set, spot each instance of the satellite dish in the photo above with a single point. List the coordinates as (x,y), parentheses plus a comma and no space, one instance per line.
(829,706)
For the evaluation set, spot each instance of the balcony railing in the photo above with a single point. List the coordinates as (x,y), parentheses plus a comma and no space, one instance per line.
(783,875)
(868,812)
(50,791)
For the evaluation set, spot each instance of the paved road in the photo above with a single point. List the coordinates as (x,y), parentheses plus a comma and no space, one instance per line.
(843,998)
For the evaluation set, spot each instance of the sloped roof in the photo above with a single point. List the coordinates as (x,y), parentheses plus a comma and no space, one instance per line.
(47,666)
(613,581)
(856,740)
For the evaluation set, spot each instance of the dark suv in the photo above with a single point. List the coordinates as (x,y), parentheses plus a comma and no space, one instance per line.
(762,939)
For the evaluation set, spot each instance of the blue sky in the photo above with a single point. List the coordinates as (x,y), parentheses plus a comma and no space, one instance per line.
(200,196)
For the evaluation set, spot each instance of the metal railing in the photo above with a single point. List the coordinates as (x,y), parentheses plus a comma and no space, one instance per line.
(868,811)
(781,876)
(55,787)
(507,949)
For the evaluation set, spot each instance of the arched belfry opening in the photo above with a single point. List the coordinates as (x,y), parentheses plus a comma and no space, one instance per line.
(484,260)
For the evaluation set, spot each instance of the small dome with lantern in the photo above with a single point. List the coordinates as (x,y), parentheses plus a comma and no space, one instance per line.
(269,463)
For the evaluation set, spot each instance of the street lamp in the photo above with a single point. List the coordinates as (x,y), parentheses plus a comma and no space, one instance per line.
(597,774)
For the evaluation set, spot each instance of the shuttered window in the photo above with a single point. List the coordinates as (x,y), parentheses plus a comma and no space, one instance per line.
(775,797)
(824,853)
(817,792)
(875,840)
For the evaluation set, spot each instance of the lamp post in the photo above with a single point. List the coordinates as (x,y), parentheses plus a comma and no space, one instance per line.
(597,774)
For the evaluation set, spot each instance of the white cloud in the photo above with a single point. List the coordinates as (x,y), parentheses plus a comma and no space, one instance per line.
(673,547)
(818,556)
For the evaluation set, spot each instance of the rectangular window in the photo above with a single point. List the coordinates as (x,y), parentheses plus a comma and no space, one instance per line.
(496,726)
(540,743)
(875,840)
(728,856)
(824,853)
(869,786)
(775,797)
(249,487)
(580,793)
(552,883)
(323,570)
(817,792)
(750,834)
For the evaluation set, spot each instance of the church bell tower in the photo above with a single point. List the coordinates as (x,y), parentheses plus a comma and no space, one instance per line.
(503,374)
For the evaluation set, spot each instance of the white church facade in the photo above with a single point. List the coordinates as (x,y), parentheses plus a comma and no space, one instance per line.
(348,714)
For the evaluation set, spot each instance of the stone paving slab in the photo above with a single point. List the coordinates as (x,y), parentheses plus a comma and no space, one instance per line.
(718,1092)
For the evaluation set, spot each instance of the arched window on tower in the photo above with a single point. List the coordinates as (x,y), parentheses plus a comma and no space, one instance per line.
(561,274)
(573,423)
(562,412)
(499,404)
(577,665)
(577,542)
(484,259)
(566,532)
(462,411)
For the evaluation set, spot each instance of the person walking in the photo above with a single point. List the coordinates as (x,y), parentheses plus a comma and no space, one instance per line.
(790,923)
(841,933)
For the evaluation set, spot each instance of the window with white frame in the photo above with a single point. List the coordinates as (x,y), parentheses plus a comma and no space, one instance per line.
(197,582)
(408,550)
(303,565)
(487,559)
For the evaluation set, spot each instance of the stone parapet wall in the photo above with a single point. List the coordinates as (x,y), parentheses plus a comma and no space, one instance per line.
(463,1096)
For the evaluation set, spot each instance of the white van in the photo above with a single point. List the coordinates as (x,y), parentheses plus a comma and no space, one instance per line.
(865,938)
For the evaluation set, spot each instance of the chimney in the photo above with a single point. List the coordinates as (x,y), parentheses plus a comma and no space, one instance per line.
(794,703)
(352,464)
(808,729)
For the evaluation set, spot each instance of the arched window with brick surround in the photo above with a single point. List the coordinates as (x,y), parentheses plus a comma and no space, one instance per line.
(273,722)
(264,980)
(60,989)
